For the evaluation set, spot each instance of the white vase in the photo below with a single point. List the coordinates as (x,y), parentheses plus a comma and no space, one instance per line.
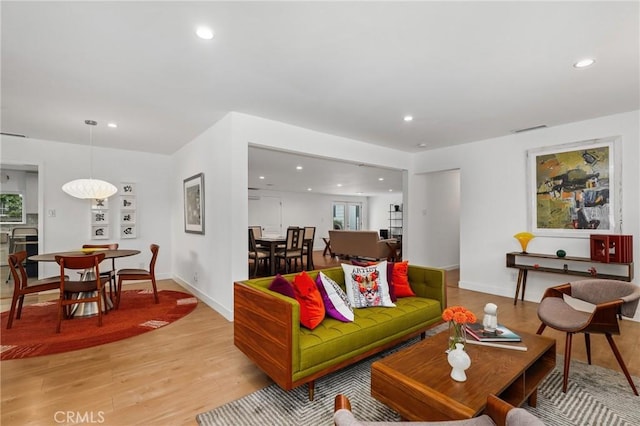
(459,361)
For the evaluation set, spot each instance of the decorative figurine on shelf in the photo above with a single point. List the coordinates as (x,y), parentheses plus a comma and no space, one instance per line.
(490,320)
(524,238)
(536,265)
(561,253)
(593,271)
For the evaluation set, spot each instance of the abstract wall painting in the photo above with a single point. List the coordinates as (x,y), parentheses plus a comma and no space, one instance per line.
(194,204)
(574,189)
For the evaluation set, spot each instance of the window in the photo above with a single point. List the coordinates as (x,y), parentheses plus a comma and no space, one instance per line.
(12,208)
(347,216)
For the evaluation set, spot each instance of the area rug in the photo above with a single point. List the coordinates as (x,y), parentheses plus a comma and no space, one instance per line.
(595,396)
(35,333)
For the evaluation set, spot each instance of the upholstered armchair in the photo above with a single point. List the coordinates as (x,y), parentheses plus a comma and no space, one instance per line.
(610,300)
(497,412)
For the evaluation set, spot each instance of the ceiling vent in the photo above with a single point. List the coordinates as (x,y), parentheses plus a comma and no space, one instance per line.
(528,129)
(12,134)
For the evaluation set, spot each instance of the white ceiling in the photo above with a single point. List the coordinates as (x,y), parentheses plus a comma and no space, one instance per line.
(466,71)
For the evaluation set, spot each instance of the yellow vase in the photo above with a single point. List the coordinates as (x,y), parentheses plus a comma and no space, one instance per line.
(524,238)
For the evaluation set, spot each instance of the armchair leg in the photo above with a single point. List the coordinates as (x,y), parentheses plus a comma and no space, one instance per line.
(587,342)
(623,366)
(567,361)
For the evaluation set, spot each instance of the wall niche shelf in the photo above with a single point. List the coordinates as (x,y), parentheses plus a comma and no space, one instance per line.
(568,265)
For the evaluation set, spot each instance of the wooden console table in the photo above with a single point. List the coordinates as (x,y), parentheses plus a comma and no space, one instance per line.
(564,265)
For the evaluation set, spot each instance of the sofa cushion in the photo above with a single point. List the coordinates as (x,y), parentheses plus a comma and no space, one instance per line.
(334,341)
(311,307)
(282,286)
(400,279)
(367,285)
(335,299)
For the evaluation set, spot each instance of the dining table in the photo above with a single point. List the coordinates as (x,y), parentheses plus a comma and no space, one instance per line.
(273,242)
(86,309)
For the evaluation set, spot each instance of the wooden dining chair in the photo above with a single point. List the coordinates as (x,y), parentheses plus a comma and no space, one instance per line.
(307,246)
(22,286)
(133,274)
(256,253)
(111,274)
(91,288)
(292,250)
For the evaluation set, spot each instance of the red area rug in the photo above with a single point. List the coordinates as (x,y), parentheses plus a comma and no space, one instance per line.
(35,333)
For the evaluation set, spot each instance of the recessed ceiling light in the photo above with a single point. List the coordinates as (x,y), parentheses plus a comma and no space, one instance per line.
(204,33)
(261,177)
(380,179)
(408,118)
(112,125)
(309,189)
(421,145)
(339,185)
(298,167)
(584,63)
(391,190)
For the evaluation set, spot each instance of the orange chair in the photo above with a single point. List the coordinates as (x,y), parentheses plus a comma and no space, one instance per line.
(21,286)
(140,274)
(84,289)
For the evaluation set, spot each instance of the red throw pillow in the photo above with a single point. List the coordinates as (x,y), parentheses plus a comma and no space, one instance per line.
(308,296)
(401,279)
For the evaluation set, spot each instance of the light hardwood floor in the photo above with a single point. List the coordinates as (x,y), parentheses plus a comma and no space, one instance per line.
(167,376)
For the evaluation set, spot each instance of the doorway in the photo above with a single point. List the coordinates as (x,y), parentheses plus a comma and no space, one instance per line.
(346,215)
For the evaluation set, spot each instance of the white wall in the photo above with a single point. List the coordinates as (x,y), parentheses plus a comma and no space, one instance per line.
(210,263)
(493,200)
(379,210)
(437,224)
(70,228)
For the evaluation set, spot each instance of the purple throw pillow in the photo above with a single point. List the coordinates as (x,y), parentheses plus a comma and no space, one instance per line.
(282,286)
(334,298)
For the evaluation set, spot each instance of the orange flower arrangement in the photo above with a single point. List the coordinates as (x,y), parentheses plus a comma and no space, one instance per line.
(457,317)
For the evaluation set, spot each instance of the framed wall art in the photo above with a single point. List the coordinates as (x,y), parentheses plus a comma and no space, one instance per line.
(194,204)
(127,188)
(128,210)
(574,189)
(99,232)
(99,218)
(128,231)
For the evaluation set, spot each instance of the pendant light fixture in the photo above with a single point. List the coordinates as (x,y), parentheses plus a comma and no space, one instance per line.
(90,188)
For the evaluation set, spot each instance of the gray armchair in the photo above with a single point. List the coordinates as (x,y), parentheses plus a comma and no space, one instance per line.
(497,412)
(611,299)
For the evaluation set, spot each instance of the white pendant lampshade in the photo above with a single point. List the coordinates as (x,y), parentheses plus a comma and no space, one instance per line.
(89,188)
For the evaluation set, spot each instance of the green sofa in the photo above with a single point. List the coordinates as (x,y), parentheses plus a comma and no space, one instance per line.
(267,327)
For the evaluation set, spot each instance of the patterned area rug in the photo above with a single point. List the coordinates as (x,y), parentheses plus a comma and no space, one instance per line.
(35,333)
(595,396)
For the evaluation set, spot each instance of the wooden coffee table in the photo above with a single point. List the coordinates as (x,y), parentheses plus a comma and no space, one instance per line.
(415,381)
